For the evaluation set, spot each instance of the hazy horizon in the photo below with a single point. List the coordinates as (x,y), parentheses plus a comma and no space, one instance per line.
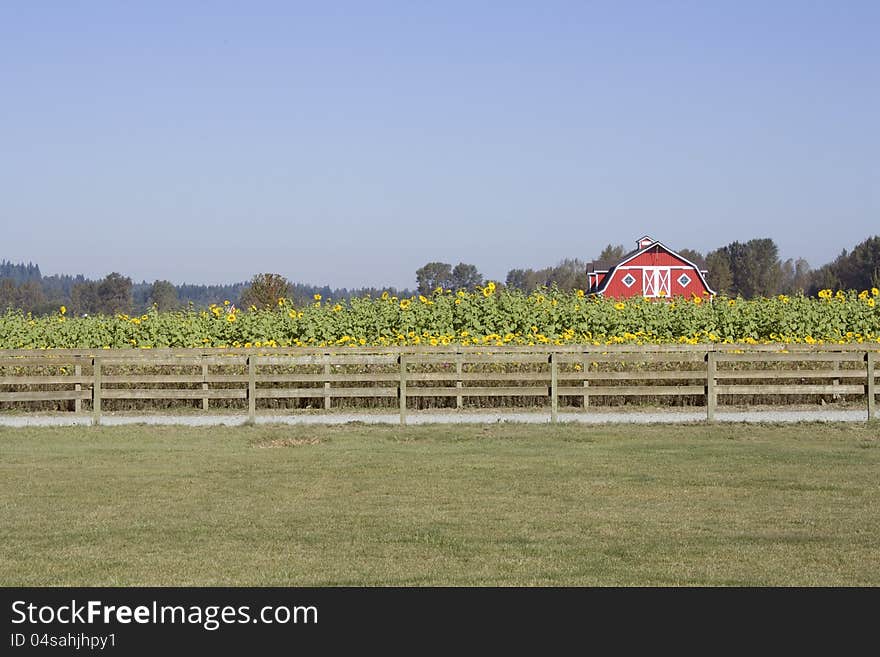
(413,285)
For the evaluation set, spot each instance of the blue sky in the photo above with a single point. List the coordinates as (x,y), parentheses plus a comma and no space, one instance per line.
(351,143)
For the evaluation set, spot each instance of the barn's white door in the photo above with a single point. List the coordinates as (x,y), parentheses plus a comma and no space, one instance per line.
(655,282)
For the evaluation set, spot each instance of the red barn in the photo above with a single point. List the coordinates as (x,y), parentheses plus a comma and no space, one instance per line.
(653,270)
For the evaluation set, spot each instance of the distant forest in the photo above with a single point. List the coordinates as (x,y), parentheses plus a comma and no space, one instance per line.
(748,269)
(23,287)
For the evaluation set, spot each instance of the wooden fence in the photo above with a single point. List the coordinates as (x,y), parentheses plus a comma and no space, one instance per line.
(575,375)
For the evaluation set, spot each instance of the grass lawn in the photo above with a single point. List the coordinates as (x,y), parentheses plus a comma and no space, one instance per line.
(501,504)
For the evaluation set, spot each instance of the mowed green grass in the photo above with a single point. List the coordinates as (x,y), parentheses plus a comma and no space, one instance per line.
(502,504)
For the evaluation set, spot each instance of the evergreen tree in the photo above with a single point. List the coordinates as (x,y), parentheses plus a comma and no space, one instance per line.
(164,295)
(114,294)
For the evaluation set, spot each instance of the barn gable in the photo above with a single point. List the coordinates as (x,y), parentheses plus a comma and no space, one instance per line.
(653,270)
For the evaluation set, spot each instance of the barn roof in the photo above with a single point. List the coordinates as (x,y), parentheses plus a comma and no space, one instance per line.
(637,252)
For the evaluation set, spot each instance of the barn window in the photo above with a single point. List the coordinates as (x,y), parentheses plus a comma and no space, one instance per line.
(683,280)
(628,280)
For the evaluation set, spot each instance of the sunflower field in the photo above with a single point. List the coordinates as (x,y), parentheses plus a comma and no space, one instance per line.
(486,316)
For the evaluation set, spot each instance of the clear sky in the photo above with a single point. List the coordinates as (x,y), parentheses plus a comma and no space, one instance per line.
(349,143)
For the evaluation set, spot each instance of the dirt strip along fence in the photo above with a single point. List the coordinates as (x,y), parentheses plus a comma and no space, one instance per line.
(409,379)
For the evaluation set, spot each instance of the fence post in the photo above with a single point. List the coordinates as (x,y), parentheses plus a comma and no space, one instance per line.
(459,402)
(401,391)
(252,387)
(586,366)
(554,388)
(77,372)
(96,392)
(836,380)
(204,382)
(870,388)
(327,371)
(711,396)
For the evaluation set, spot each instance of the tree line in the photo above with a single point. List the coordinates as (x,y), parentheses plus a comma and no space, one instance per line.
(748,269)
(116,293)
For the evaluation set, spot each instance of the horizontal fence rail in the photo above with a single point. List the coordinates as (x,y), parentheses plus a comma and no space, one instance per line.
(571,376)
